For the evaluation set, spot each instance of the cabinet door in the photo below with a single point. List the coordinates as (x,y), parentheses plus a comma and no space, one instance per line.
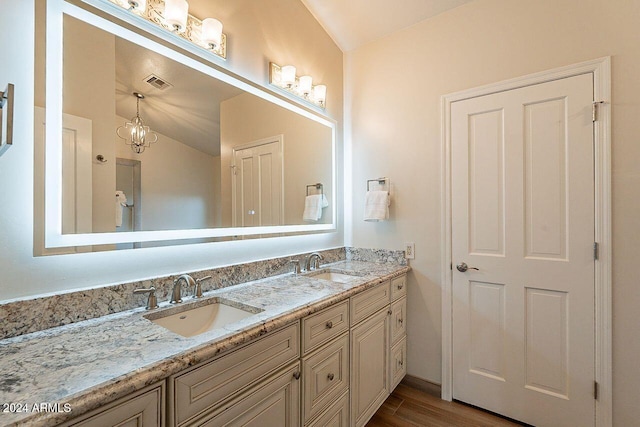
(144,408)
(369,359)
(274,402)
(337,415)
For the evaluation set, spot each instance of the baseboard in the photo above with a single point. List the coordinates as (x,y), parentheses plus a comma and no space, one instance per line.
(422,385)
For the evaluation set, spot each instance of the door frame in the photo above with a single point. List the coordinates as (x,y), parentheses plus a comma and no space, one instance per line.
(279,139)
(601,70)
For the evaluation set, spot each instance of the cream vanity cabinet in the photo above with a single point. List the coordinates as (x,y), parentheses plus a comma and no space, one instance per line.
(144,408)
(378,346)
(256,384)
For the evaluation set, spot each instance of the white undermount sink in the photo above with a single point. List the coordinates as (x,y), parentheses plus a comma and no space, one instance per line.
(333,276)
(190,322)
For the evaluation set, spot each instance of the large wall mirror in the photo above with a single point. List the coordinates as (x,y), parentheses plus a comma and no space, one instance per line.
(231,160)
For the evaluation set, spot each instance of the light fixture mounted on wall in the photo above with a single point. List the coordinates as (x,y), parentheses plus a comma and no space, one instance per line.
(285,78)
(173,15)
(135,133)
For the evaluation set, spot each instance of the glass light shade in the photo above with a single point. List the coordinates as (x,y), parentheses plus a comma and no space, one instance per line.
(212,32)
(175,14)
(320,93)
(288,75)
(305,84)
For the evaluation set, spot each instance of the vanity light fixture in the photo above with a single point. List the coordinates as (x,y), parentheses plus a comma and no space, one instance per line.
(212,32)
(285,78)
(176,13)
(288,73)
(135,133)
(173,15)
(306,82)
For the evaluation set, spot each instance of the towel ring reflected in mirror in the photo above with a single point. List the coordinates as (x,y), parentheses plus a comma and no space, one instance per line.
(318,186)
(380,181)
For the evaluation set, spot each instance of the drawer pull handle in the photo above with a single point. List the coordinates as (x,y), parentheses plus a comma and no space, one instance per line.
(401,285)
(330,376)
(296,375)
(329,324)
(400,321)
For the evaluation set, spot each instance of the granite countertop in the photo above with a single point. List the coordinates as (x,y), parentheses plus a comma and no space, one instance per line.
(87,364)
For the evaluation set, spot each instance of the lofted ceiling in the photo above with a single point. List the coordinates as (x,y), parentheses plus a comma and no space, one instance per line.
(353,23)
(188,111)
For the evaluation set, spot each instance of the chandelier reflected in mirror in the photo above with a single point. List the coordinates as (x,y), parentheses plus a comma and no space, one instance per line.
(135,133)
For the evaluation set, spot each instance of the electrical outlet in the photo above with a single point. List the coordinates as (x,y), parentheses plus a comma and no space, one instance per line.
(410,251)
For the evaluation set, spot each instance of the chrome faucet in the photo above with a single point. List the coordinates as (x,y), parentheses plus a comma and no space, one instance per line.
(313,261)
(176,295)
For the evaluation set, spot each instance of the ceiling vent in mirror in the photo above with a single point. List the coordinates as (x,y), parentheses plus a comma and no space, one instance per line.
(158,82)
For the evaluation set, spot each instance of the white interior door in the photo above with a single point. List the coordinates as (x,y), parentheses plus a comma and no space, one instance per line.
(257,183)
(77,189)
(523,216)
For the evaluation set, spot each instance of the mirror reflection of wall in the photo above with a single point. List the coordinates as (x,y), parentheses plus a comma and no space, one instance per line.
(185,177)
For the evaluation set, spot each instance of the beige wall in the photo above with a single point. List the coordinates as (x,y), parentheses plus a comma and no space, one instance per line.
(282,31)
(89,92)
(394,87)
(306,151)
(178,184)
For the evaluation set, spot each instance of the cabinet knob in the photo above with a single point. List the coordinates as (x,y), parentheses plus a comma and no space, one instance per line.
(389,312)
(296,375)
(330,376)
(401,285)
(400,321)
(400,362)
(329,324)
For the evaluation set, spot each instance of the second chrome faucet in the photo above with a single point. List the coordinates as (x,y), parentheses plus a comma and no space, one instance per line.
(176,295)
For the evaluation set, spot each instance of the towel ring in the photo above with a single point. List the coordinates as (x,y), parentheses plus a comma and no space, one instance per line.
(380,181)
(318,186)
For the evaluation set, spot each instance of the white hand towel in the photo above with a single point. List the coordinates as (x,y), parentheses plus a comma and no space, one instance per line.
(121,201)
(313,206)
(376,206)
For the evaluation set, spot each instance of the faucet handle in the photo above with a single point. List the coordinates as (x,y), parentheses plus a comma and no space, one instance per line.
(197,292)
(152,301)
(296,266)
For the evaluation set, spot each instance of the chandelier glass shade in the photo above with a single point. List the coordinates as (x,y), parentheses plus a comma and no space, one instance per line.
(135,133)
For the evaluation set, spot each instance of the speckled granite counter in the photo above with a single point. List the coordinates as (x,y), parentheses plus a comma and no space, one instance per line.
(91,363)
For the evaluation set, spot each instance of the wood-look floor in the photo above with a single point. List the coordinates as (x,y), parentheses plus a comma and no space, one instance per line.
(409,407)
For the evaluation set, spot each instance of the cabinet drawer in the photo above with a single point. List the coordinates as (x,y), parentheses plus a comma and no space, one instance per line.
(144,408)
(336,416)
(324,326)
(368,302)
(274,402)
(207,385)
(325,376)
(398,368)
(398,287)
(398,322)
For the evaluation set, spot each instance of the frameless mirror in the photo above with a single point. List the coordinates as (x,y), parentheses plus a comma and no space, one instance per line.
(230,159)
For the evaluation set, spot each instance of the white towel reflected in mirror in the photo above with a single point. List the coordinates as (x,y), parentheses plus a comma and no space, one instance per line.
(313,206)
(121,202)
